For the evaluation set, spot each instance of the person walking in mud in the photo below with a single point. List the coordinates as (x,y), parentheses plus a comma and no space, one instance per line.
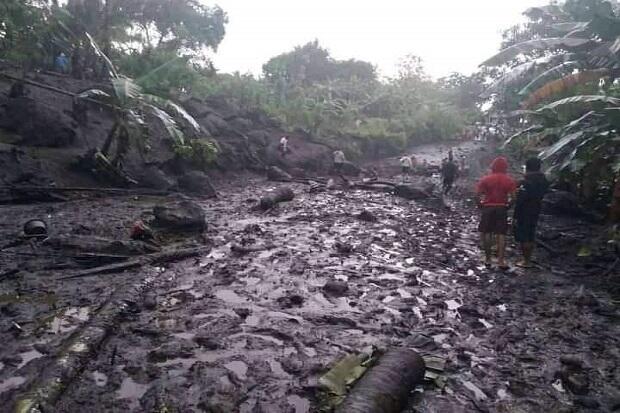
(339,160)
(283,146)
(449,173)
(528,204)
(406,165)
(495,191)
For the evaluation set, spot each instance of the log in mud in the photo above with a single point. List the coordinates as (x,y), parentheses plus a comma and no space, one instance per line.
(385,388)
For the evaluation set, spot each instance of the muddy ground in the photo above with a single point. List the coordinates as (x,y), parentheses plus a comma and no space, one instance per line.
(253,332)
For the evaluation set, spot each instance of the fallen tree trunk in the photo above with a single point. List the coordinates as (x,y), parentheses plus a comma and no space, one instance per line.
(158,258)
(385,387)
(241,250)
(124,191)
(284,194)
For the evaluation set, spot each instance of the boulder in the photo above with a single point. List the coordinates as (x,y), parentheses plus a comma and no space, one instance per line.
(38,124)
(277,174)
(182,215)
(196,182)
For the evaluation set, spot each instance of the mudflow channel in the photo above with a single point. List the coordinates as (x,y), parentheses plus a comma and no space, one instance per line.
(252,332)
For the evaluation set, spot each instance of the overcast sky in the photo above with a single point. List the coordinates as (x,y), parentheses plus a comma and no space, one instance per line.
(449,35)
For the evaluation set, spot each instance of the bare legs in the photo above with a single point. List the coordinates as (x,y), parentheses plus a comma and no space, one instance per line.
(527,249)
(487,246)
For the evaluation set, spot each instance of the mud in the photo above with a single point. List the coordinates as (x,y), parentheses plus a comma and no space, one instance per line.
(253,332)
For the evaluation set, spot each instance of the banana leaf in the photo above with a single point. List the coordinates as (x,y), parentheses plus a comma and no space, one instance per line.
(565,143)
(529,46)
(110,66)
(560,86)
(554,73)
(169,123)
(531,129)
(173,109)
(549,11)
(569,26)
(583,100)
(126,90)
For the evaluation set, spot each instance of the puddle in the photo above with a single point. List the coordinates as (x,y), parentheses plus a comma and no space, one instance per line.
(300,404)
(100,379)
(239,368)
(184,336)
(131,390)
(28,356)
(230,297)
(453,304)
(11,383)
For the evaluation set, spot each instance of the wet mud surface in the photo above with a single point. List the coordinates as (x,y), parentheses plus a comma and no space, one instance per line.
(252,331)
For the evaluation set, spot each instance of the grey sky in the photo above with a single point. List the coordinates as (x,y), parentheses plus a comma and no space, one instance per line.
(449,35)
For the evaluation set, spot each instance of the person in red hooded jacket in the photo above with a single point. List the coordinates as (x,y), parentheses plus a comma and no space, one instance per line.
(495,191)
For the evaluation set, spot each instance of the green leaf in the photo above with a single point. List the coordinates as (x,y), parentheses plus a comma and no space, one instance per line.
(174,109)
(582,100)
(171,126)
(529,46)
(126,90)
(562,144)
(344,373)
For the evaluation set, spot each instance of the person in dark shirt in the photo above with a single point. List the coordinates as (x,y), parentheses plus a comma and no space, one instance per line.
(449,173)
(530,193)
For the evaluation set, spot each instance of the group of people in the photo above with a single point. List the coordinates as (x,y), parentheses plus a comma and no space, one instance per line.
(497,191)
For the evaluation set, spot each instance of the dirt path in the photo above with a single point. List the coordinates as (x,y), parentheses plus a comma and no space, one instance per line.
(253,332)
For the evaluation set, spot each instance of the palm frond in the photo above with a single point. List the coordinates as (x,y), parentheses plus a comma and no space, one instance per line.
(555,72)
(582,100)
(549,44)
(110,66)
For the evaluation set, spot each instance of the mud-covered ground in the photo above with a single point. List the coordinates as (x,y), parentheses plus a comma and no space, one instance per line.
(253,332)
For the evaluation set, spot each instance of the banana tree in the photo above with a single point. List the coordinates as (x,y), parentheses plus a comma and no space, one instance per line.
(130,105)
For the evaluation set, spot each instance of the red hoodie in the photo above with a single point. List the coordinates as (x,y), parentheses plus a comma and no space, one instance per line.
(496,187)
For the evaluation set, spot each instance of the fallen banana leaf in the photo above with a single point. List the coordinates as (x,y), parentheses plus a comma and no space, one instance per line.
(344,373)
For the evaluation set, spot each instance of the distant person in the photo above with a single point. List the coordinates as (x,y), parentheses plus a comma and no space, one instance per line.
(61,63)
(339,160)
(449,173)
(528,204)
(406,165)
(495,191)
(283,146)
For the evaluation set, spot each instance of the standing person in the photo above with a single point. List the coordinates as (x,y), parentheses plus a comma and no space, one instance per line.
(339,161)
(495,191)
(531,191)
(283,146)
(406,165)
(449,173)
(62,63)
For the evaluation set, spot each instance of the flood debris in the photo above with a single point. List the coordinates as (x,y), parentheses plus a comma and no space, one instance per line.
(181,216)
(283,194)
(386,386)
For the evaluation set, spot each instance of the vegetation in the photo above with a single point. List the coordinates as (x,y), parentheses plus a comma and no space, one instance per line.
(161,45)
(558,76)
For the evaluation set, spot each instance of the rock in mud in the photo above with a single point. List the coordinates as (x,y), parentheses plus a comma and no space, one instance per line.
(277,174)
(577,383)
(414,191)
(182,215)
(284,194)
(336,288)
(196,182)
(290,301)
(206,341)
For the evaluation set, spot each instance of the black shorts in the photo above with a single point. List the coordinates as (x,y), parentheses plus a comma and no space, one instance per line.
(525,229)
(406,169)
(494,220)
